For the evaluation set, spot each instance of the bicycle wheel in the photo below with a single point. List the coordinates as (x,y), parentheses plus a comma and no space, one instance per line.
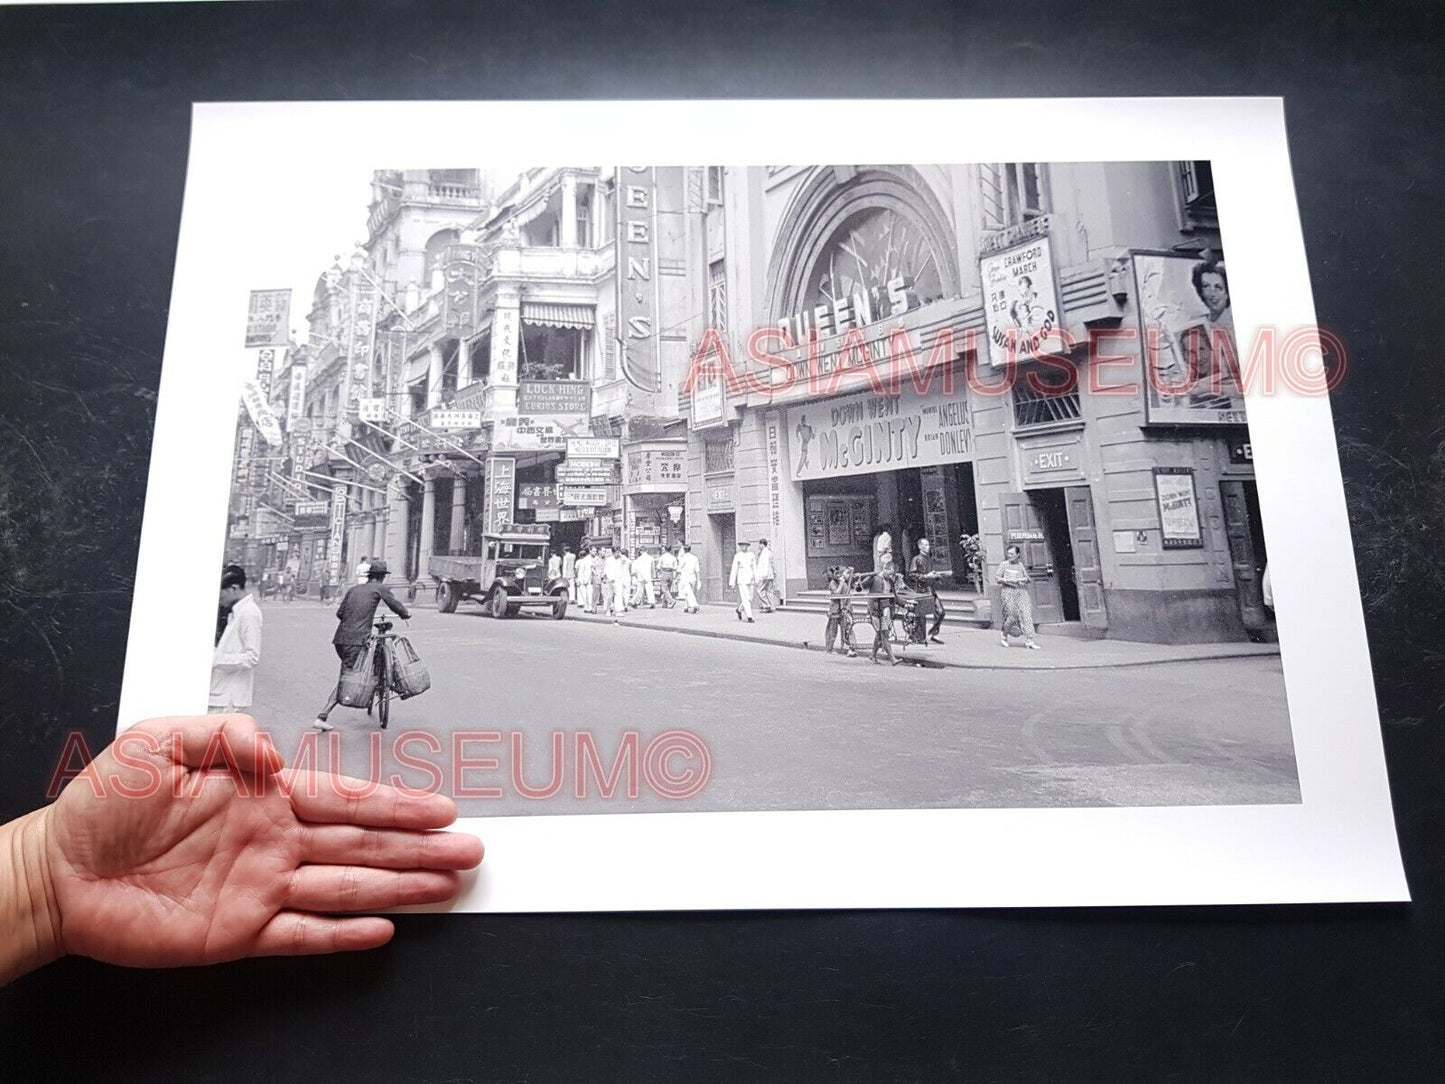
(383,683)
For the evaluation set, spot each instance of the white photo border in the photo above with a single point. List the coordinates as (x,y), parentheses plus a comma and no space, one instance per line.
(1337,845)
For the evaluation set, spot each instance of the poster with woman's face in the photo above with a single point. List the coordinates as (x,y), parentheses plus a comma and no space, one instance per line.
(1186,332)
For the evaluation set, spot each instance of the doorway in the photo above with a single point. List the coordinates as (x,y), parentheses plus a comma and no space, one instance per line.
(725,543)
(1245,530)
(1056,532)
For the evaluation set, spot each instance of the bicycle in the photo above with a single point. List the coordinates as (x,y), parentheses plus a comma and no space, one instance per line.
(380,647)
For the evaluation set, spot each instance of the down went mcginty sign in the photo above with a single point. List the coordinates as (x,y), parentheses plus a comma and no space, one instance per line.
(862,434)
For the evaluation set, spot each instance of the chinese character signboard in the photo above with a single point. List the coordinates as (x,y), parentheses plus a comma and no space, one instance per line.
(554,397)
(265,369)
(655,468)
(775,471)
(261,413)
(594,447)
(359,343)
(268,319)
(536,432)
(296,396)
(454,419)
(461,273)
(1021,302)
(504,346)
(580,497)
(501,486)
(1178,508)
(537,495)
(1186,329)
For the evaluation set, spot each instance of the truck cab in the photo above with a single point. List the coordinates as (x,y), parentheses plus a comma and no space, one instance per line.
(509,576)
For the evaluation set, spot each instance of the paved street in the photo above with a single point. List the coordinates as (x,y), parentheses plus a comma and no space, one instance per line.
(787,729)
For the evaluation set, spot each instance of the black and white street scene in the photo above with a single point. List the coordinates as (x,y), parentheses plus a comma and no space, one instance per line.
(708,488)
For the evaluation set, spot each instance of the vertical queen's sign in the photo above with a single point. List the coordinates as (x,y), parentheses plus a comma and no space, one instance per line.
(637,298)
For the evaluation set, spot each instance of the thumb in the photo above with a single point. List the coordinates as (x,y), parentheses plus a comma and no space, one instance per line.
(217,741)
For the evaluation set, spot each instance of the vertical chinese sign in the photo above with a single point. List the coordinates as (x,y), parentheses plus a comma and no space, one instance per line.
(360,343)
(462,273)
(500,491)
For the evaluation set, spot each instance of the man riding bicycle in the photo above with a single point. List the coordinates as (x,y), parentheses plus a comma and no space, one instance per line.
(354,615)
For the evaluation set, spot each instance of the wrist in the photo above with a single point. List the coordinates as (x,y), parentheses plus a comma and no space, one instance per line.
(29,914)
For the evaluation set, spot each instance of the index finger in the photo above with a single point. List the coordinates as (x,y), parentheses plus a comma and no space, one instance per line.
(324,798)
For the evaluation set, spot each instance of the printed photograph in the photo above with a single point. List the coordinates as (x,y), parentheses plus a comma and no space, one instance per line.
(610,489)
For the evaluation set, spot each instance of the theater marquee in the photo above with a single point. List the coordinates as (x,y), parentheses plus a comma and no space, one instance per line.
(862,434)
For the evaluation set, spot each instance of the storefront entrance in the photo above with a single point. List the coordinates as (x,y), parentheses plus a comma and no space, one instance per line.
(1055,530)
(843,514)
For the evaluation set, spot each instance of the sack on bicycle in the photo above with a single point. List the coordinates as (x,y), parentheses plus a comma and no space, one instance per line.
(409,675)
(358,682)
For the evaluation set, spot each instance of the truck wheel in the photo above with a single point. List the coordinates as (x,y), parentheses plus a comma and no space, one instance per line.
(447,598)
(559,608)
(499,601)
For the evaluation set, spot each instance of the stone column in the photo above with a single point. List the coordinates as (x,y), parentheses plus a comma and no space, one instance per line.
(395,534)
(428,524)
(459,514)
(569,212)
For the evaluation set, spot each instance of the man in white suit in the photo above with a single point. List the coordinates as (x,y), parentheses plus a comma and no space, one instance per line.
(689,578)
(743,576)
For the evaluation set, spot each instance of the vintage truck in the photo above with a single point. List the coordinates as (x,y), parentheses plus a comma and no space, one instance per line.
(509,576)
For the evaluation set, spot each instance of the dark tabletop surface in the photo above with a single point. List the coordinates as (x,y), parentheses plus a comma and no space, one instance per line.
(94,113)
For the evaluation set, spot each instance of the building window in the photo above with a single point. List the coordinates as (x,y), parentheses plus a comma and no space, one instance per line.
(714,188)
(1196,194)
(479,351)
(416,392)
(584,217)
(1033,406)
(1011,193)
(717,455)
(551,353)
(717,296)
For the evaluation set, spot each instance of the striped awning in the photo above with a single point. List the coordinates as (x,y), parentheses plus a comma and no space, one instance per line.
(552,315)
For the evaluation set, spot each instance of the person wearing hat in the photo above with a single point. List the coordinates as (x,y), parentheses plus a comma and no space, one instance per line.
(743,576)
(354,617)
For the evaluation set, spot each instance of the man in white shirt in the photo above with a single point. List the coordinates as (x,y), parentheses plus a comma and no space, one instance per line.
(642,572)
(363,570)
(554,567)
(743,576)
(614,572)
(765,575)
(584,581)
(233,663)
(569,571)
(689,578)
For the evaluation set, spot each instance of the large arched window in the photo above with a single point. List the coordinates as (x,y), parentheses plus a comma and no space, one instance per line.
(878,234)
(876,253)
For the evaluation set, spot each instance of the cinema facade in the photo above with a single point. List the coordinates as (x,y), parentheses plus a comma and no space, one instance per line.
(928,310)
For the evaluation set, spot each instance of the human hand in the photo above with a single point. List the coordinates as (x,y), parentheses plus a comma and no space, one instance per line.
(186,842)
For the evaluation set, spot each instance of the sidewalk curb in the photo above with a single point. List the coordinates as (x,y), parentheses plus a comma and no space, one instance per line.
(916,660)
